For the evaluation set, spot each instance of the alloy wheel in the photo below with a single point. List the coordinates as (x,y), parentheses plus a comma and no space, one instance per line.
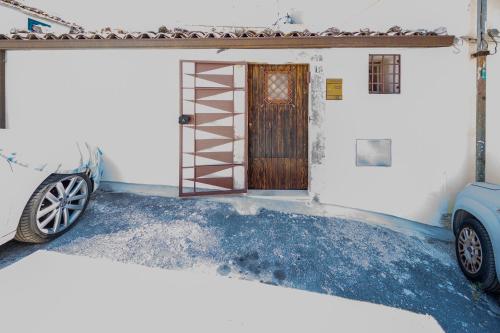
(62,204)
(470,251)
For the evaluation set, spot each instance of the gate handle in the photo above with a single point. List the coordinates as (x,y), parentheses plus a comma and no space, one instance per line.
(184,119)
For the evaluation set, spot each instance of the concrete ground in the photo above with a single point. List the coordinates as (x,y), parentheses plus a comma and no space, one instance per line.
(99,295)
(331,256)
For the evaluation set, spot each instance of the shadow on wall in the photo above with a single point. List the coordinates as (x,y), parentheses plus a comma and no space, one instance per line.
(439,204)
(457,184)
(111,170)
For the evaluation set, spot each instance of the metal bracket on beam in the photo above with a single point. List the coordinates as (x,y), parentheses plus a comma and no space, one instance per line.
(480,54)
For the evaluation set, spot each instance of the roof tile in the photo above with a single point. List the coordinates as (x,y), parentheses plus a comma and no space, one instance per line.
(164,33)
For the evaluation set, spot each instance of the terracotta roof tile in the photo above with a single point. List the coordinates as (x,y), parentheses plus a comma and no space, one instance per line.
(164,33)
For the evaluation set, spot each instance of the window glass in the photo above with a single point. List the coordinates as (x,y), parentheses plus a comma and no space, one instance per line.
(384,74)
(278,87)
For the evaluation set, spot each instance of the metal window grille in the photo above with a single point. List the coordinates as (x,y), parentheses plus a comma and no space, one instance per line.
(278,87)
(384,76)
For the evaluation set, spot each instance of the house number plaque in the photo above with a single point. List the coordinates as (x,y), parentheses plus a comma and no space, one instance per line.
(334,89)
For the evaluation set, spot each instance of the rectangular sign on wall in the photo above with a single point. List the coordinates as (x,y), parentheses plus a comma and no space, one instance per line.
(334,89)
(374,152)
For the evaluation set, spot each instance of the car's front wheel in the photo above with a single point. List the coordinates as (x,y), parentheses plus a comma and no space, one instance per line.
(54,207)
(475,255)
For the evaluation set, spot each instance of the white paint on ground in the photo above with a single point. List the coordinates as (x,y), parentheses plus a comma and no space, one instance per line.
(79,294)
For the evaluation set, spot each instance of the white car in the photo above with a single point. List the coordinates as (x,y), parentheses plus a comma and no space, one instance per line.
(476,225)
(45,184)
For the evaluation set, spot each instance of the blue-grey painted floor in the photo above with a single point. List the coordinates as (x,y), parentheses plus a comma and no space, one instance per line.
(326,255)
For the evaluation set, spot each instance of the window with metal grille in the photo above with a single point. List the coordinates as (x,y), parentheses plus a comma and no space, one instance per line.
(278,86)
(384,75)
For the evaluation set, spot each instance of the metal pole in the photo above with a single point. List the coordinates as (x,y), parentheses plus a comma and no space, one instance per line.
(481,55)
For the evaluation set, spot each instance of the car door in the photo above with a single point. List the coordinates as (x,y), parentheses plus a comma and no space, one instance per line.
(6,178)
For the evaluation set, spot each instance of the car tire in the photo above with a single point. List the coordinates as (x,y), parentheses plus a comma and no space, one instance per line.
(472,241)
(63,199)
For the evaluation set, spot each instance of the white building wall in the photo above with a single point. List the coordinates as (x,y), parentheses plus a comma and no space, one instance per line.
(12,19)
(314,14)
(431,125)
(493,120)
(493,102)
(128,102)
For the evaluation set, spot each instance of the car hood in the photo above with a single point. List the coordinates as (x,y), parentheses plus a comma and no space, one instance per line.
(50,153)
(488,186)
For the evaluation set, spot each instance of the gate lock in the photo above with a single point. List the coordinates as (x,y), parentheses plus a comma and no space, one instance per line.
(184,119)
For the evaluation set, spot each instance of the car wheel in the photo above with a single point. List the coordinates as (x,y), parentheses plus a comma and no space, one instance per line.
(55,206)
(475,255)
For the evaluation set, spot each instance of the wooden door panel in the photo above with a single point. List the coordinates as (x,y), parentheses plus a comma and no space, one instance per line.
(278,173)
(278,139)
(302,121)
(256,173)
(301,173)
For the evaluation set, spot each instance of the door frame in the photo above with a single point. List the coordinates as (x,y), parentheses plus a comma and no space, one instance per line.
(309,101)
(181,141)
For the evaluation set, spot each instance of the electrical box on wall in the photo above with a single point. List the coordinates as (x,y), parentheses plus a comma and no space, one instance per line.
(374,152)
(334,89)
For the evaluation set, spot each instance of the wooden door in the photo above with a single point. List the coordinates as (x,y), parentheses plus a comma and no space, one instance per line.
(277,123)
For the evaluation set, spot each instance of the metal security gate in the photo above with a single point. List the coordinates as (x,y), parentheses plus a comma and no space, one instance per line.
(213,128)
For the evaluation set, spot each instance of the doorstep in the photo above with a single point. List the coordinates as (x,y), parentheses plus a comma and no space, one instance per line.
(291,202)
(291,195)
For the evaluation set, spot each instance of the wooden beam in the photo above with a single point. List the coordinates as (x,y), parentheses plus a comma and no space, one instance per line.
(2,90)
(481,119)
(235,43)
(482,53)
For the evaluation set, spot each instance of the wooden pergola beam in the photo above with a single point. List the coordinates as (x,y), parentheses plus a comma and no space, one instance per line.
(2,90)
(235,43)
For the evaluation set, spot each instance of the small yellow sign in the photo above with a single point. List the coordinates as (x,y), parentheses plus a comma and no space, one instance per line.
(334,89)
